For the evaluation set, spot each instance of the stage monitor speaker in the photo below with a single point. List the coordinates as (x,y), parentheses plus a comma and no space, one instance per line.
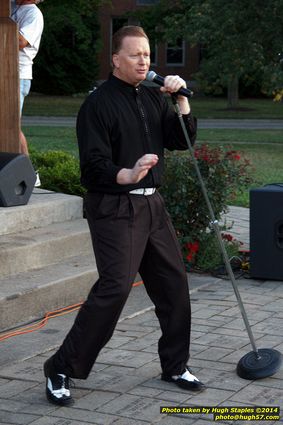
(266,232)
(17,179)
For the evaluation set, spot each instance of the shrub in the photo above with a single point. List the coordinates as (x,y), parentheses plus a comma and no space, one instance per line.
(59,171)
(205,254)
(224,172)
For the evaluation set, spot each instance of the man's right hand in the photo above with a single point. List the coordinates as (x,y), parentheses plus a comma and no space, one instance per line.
(139,171)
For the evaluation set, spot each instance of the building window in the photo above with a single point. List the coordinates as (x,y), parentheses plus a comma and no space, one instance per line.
(175,53)
(146,2)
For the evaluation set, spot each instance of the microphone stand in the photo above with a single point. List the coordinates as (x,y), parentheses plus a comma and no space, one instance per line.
(258,363)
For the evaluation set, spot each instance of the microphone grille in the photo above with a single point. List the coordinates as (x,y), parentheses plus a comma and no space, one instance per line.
(150,75)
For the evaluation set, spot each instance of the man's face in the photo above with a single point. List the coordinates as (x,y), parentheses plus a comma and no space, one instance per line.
(131,63)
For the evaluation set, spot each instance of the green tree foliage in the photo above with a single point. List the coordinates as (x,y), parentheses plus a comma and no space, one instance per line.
(67,59)
(240,40)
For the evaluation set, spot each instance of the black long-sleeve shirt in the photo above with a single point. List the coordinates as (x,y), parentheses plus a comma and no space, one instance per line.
(119,123)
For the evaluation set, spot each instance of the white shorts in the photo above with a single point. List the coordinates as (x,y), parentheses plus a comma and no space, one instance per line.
(24,91)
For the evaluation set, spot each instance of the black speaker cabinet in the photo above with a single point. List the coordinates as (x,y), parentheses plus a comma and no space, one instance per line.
(266,232)
(17,178)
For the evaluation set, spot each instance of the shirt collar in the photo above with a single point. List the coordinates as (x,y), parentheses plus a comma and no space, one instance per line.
(123,84)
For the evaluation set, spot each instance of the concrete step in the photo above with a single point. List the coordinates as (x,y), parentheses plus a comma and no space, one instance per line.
(40,247)
(29,295)
(44,208)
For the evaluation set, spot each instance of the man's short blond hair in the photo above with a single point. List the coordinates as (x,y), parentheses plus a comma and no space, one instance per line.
(126,31)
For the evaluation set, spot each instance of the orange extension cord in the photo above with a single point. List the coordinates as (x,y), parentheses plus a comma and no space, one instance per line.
(50,315)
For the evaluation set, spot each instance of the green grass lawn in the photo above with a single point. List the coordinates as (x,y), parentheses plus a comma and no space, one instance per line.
(52,138)
(49,106)
(263,148)
(203,107)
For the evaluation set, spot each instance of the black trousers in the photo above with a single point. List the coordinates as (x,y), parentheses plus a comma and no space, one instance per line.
(130,233)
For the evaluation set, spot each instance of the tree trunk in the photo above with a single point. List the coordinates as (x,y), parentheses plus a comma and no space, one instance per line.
(9,81)
(233,92)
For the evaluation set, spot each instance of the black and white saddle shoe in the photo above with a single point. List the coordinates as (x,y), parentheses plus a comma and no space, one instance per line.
(57,386)
(186,380)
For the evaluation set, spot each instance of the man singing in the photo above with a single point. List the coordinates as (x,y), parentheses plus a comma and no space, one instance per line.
(123,128)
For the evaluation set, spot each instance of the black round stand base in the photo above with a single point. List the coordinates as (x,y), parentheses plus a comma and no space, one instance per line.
(253,366)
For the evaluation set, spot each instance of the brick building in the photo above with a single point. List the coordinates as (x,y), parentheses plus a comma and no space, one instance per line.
(166,59)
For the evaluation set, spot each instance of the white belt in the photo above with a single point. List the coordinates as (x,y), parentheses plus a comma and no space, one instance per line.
(143,191)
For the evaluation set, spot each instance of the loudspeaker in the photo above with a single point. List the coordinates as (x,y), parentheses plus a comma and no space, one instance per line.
(266,232)
(17,179)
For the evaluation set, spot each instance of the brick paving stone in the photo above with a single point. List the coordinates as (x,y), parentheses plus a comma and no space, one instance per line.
(128,328)
(128,421)
(270,341)
(95,399)
(145,391)
(222,380)
(149,370)
(30,370)
(236,355)
(214,353)
(20,406)
(104,381)
(242,333)
(217,365)
(255,394)
(210,397)
(197,306)
(130,406)
(11,388)
(126,357)
(205,327)
(211,323)
(139,344)
(47,420)
(174,397)
(112,370)
(177,420)
(96,418)
(270,382)
(209,312)
(196,348)
(238,323)
(16,418)
(151,349)
(157,383)
(271,326)
(118,340)
(216,340)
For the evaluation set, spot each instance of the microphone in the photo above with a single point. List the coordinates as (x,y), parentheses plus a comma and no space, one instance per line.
(152,76)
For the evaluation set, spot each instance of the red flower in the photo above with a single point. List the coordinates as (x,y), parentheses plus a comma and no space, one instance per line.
(227,237)
(189,257)
(193,248)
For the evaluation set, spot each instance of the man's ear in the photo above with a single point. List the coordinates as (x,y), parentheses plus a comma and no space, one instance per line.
(115,60)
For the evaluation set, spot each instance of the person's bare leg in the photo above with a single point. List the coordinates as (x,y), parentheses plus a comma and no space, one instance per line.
(23,144)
